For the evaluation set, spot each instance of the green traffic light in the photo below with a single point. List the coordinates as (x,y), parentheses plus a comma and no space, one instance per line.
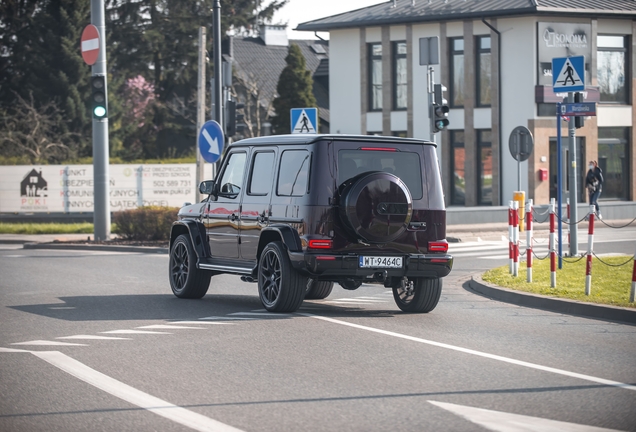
(99,111)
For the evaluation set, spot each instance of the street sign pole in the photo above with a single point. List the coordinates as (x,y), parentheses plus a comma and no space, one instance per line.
(101,177)
(559,186)
(572,169)
(431,114)
(218,79)
(200,110)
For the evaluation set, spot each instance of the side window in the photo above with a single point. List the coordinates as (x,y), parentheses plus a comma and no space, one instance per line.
(293,174)
(232,180)
(262,174)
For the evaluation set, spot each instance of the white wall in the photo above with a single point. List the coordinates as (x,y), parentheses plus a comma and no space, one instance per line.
(344,81)
(518,78)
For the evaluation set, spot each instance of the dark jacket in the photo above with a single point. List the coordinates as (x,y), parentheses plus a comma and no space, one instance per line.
(594,178)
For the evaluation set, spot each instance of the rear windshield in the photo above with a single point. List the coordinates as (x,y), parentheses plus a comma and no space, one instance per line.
(405,165)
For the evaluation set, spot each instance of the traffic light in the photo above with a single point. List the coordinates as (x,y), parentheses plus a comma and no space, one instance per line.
(440,109)
(98,96)
(579,121)
(234,118)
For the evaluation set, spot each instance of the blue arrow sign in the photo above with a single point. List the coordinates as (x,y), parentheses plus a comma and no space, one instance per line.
(579,109)
(211,141)
(304,120)
(568,74)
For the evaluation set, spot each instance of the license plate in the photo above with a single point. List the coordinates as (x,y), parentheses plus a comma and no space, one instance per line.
(380,262)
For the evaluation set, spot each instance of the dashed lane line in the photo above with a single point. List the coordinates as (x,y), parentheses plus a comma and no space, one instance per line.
(125,331)
(92,337)
(201,322)
(262,314)
(478,353)
(169,327)
(47,343)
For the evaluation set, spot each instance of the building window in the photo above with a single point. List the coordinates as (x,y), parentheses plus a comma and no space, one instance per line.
(375,77)
(613,159)
(611,68)
(484,75)
(484,147)
(458,156)
(457,72)
(399,76)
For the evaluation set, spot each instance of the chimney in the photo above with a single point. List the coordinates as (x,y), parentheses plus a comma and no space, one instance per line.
(274,35)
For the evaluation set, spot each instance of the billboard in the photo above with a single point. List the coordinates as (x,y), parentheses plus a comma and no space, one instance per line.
(559,39)
(69,188)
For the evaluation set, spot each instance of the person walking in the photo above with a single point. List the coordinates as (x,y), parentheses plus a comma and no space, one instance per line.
(594,185)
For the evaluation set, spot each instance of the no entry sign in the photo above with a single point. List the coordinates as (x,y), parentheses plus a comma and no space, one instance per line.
(90,44)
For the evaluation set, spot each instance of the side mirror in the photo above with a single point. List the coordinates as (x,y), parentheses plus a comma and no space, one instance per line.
(207,187)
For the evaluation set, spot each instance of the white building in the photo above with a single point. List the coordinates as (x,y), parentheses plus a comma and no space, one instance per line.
(495,60)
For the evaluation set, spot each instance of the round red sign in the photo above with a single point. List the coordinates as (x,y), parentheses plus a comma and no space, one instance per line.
(90,44)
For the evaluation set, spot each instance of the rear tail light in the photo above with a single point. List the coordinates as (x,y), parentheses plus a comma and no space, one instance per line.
(438,246)
(320,244)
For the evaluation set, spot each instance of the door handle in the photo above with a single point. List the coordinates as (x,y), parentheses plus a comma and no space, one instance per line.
(233,217)
(261,218)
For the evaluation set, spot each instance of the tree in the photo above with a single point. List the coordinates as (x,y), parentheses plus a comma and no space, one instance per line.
(294,90)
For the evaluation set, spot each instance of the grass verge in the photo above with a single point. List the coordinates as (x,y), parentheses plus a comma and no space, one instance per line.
(610,285)
(48,228)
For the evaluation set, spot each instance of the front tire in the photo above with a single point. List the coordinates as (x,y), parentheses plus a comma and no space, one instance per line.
(186,280)
(318,290)
(280,287)
(419,295)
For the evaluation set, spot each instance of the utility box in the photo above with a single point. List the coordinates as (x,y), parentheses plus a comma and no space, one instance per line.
(520,197)
(543,174)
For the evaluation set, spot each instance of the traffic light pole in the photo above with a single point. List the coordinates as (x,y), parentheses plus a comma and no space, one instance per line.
(431,101)
(200,111)
(572,170)
(101,177)
(218,79)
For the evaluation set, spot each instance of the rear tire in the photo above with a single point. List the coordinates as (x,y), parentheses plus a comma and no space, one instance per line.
(318,290)
(186,280)
(419,296)
(280,287)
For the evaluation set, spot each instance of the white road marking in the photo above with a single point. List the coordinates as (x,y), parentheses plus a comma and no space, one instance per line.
(92,337)
(360,299)
(133,332)
(47,343)
(506,422)
(495,257)
(352,303)
(131,395)
(169,327)
(262,314)
(224,318)
(479,353)
(13,350)
(61,307)
(202,322)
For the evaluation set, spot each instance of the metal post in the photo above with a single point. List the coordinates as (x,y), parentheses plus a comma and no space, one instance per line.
(101,177)
(572,169)
(590,251)
(559,184)
(431,101)
(200,164)
(529,242)
(218,67)
(552,247)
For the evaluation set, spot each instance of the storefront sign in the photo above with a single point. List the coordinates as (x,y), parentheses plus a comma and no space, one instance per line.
(562,40)
(69,188)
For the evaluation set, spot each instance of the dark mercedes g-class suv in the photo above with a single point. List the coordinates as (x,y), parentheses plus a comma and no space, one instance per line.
(296,213)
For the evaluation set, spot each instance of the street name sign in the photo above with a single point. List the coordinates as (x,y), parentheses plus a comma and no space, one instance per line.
(578,109)
(211,141)
(568,74)
(304,120)
(90,44)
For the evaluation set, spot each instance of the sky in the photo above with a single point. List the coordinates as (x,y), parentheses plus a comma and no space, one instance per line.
(298,11)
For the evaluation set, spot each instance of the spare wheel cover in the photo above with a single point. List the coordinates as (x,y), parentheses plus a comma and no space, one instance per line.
(377,207)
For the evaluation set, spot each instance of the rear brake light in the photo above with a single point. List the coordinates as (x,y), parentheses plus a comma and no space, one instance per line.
(325,258)
(320,244)
(438,246)
(379,149)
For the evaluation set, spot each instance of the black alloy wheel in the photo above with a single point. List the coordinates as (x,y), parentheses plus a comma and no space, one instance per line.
(186,280)
(418,295)
(280,287)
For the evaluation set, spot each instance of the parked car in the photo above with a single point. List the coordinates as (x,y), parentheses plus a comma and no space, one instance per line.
(297,213)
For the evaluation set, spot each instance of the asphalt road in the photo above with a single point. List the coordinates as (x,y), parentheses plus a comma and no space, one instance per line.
(96,341)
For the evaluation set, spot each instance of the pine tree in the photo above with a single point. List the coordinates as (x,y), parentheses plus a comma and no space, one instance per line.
(294,90)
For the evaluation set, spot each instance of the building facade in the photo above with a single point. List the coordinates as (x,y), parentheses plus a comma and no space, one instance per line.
(495,61)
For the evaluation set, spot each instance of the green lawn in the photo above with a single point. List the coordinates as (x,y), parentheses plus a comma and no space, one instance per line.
(48,228)
(610,285)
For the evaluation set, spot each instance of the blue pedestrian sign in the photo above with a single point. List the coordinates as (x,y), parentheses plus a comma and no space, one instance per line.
(304,120)
(211,141)
(568,74)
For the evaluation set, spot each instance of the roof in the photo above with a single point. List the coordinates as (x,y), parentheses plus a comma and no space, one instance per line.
(295,139)
(449,10)
(262,65)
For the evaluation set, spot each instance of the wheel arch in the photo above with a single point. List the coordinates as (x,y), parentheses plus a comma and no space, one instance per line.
(283,233)
(196,231)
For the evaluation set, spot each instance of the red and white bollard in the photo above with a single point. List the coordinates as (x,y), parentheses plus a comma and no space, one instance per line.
(568,222)
(632,294)
(515,238)
(590,245)
(510,249)
(552,245)
(529,242)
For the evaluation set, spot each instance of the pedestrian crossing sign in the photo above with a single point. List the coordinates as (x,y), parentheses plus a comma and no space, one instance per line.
(304,120)
(568,74)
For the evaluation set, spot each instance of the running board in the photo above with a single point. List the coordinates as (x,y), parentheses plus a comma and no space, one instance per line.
(226,269)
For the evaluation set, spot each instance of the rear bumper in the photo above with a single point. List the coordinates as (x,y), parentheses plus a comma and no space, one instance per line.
(325,267)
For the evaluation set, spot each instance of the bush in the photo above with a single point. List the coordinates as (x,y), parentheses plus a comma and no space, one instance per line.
(145,223)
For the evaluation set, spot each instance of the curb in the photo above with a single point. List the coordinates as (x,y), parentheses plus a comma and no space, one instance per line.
(108,248)
(553,304)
